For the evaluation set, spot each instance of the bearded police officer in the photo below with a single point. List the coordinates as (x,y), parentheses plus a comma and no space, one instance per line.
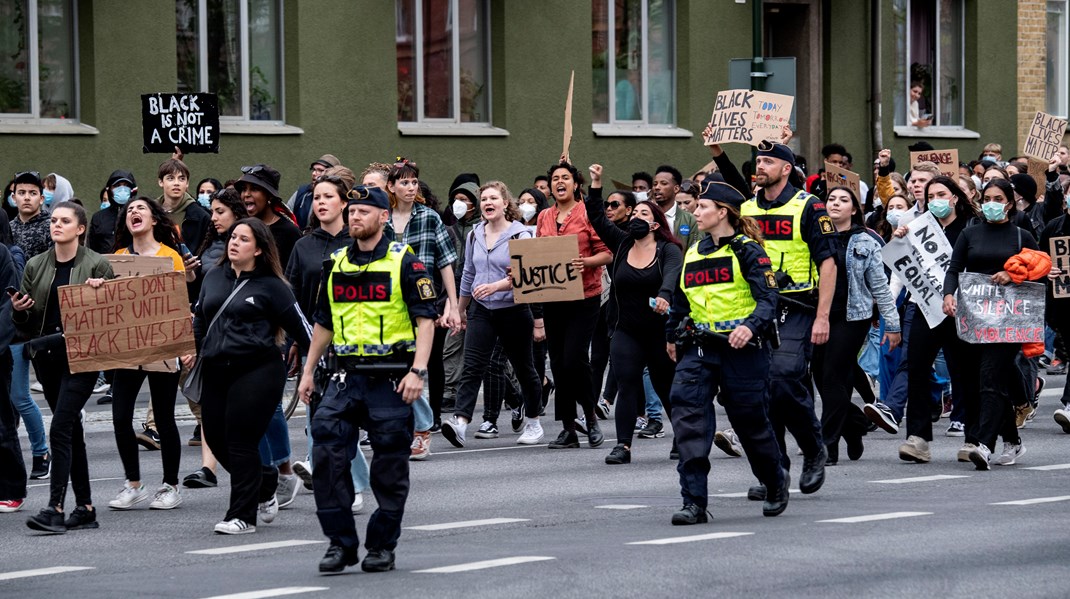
(376,311)
(726,300)
(801,242)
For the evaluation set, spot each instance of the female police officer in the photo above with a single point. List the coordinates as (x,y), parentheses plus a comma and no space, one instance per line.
(725,300)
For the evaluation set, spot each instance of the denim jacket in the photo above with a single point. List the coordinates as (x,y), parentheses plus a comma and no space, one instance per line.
(866,281)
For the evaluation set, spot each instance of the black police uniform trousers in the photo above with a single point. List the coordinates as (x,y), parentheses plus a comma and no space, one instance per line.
(740,376)
(12,468)
(791,398)
(371,403)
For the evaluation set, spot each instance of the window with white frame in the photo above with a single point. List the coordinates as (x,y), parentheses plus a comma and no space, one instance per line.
(38,74)
(929,65)
(1058,65)
(443,61)
(634,62)
(233,48)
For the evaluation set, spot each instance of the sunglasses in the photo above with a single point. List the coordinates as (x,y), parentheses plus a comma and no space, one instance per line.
(252,170)
(612,205)
(689,186)
(35,174)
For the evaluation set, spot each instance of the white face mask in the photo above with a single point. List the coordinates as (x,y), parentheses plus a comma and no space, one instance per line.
(641,196)
(894,216)
(527,211)
(459,208)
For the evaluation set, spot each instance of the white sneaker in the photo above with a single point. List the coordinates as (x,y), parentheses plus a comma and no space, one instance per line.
(1011,452)
(728,442)
(268,510)
(304,471)
(358,503)
(166,498)
(453,431)
(287,490)
(1062,417)
(129,497)
(236,526)
(981,456)
(102,385)
(36,387)
(532,434)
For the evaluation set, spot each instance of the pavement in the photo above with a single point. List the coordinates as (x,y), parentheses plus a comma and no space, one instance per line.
(497,519)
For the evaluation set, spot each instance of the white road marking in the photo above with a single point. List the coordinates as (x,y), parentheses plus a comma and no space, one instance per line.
(1048,467)
(706,537)
(621,506)
(483,565)
(743,494)
(1034,501)
(92,480)
(876,517)
(466,524)
(279,592)
(919,479)
(42,572)
(583,441)
(253,547)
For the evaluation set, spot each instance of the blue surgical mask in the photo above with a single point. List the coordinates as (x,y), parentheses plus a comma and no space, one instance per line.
(993,211)
(894,216)
(11,200)
(940,208)
(205,200)
(48,197)
(121,195)
(105,204)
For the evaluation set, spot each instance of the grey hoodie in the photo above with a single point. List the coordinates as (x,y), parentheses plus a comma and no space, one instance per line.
(487,265)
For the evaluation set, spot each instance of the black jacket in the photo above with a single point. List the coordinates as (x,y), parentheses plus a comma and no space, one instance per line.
(101,237)
(306,264)
(8,278)
(195,226)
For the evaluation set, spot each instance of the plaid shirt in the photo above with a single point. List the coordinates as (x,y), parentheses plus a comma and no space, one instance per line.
(427,237)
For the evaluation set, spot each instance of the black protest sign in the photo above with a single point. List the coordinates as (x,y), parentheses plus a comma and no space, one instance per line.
(990,313)
(1060,258)
(189,121)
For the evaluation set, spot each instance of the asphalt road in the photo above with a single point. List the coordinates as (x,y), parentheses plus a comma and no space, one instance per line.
(564,524)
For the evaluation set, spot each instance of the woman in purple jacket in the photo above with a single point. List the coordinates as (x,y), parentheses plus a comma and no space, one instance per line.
(493,315)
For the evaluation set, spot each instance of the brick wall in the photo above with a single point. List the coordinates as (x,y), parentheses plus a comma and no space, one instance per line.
(1031,64)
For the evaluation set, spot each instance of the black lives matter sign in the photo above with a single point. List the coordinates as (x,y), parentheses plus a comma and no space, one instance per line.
(189,121)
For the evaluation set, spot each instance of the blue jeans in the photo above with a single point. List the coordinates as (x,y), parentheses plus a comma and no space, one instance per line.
(869,360)
(422,413)
(275,444)
(653,402)
(358,468)
(26,406)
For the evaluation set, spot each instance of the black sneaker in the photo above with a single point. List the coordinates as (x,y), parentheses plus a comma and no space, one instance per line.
(82,519)
(149,439)
(619,455)
(813,472)
(516,419)
(756,493)
(104,399)
(654,429)
(1057,368)
(690,514)
(565,440)
(195,438)
(882,416)
(201,479)
(378,560)
(42,467)
(435,428)
(337,558)
(48,520)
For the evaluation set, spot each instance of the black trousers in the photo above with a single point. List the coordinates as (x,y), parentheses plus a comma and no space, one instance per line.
(12,468)
(373,404)
(600,351)
(436,373)
(740,376)
(569,326)
(925,343)
(1058,318)
(513,327)
(500,385)
(791,400)
(839,417)
(163,391)
(66,395)
(237,404)
(630,352)
(990,413)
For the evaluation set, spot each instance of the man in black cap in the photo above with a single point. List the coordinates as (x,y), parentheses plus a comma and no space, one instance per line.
(301,200)
(376,308)
(121,188)
(801,242)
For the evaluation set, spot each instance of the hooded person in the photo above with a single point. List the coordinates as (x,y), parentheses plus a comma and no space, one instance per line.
(57,189)
(259,189)
(121,187)
(301,202)
(1031,213)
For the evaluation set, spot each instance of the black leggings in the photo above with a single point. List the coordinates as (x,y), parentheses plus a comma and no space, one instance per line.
(237,403)
(436,374)
(921,352)
(513,326)
(569,326)
(839,417)
(163,390)
(631,352)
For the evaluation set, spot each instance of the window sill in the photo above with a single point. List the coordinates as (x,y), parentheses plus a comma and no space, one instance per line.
(452,129)
(258,128)
(604,130)
(59,127)
(937,132)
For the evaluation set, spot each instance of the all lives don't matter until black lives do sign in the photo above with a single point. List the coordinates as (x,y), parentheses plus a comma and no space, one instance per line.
(189,121)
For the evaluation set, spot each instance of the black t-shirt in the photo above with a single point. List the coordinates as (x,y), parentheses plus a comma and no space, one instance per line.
(984,249)
(53,318)
(839,297)
(286,235)
(633,289)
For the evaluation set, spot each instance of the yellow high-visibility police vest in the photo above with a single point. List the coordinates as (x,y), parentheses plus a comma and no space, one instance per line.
(719,294)
(782,229)
(368,310)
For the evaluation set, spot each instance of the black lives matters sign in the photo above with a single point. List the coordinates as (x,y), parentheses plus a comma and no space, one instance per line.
(189,121)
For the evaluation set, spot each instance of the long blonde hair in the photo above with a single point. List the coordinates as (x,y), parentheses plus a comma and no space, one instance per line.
(512,212)
(743,224)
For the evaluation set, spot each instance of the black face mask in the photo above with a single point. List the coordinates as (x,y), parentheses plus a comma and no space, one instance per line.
(638,228)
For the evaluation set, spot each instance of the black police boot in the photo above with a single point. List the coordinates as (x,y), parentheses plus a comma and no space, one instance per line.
(47,520)
(82,519)
(566,440)
(813,472)
(854,446)
(337,558)
(756,493)
(689,514)
(833,452)
(777,502)
(595,438)
(378,560)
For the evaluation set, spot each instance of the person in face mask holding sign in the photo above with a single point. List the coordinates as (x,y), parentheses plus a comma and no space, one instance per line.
(120,188)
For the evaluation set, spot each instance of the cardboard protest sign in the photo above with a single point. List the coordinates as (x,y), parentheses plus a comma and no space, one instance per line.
(189,121)
(126,322)
(920,260)
(133,265)
(945,160)
(568,117)
(1059,249)
(749,117)
(1045,135)
(990,313)
(1038,170)
(542,269)
(837,177)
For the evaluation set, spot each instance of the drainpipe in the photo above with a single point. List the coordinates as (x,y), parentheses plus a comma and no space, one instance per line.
(757,62)
(875,76)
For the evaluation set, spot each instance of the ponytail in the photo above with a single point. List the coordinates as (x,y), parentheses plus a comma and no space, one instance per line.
(743,224)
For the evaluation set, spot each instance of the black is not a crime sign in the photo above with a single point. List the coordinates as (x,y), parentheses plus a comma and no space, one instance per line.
(189,121)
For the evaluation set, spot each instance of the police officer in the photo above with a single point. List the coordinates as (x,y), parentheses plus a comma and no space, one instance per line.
(800,240)
(376,308)
(726,298)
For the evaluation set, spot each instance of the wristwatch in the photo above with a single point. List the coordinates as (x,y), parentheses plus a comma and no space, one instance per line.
(422,373)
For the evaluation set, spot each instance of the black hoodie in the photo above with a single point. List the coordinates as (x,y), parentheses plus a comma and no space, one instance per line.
(306,264)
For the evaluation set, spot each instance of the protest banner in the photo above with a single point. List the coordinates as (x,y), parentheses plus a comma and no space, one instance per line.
(945,160)
(1038,170)
(126,322)
(133,265)
(841,177)
(568,117)
(1045,135)
(990,313)
(920,259)
(542,269)
(189,121)
(748,117)
(1060,258)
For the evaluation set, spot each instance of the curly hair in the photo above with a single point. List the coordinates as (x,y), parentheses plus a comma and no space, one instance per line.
(164,231)
(512,212)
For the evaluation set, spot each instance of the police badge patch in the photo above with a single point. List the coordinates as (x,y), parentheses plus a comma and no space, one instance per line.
(426,288)
(770,279)
(826,225)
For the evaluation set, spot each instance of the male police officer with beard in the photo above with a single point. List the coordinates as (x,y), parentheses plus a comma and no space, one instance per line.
(376,309)
(801,242)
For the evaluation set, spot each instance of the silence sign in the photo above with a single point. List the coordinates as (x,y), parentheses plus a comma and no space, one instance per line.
(542,269)
(127,322)
(189,121)
(990,313)
(749,117)
(945,160)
